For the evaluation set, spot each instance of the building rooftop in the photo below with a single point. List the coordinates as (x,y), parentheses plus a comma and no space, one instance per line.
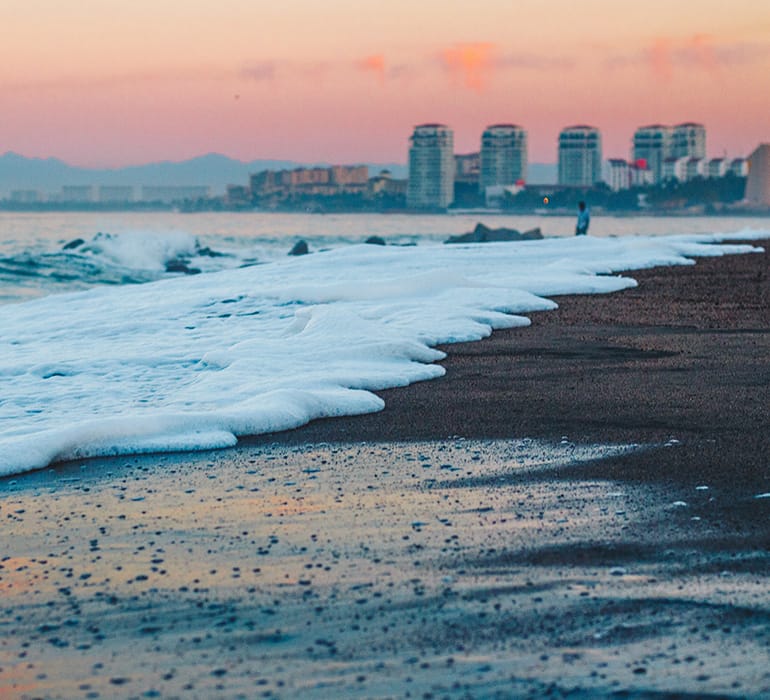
(504,126)
(580,127)
(431,126)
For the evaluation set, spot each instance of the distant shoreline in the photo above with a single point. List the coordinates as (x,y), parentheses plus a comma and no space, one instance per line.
(150,207)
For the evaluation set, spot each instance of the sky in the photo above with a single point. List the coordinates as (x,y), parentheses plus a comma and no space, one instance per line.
(109,83)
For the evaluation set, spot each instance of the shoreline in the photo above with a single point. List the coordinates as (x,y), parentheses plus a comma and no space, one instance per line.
(152,207)
(659,361)
(486,535)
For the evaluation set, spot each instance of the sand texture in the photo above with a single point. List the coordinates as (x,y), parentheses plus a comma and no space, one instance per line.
(577,509)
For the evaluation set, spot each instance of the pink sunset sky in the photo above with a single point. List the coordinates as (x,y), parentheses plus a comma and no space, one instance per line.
(110,83)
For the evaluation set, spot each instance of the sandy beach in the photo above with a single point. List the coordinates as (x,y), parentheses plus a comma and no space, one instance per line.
(577,509)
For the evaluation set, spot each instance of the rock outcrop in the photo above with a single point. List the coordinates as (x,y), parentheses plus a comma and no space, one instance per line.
(484,234)
(300,248)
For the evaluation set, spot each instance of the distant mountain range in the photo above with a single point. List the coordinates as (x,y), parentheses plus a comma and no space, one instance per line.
(213,170)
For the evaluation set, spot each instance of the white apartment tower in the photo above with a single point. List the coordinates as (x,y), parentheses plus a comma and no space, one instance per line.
(758,182)
(503,155)
(652,144)
(688,141)
(431,167)
(580,156)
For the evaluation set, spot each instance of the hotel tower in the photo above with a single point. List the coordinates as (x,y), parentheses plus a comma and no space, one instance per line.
(580,156)
(431,167)
(503,156)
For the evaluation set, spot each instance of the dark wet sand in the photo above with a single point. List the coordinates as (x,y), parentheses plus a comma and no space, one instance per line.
(685,355)
(425,551)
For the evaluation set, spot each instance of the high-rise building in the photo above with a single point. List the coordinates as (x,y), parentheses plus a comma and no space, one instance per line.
(503,155)
(758,180)
(431,167)
(688,140)
(580,156)
(652,144)
(657,143)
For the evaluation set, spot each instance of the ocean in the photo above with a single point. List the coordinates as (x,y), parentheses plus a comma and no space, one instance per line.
(124,333)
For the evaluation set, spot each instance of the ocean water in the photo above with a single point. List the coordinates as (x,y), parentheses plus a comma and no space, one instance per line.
(136,333)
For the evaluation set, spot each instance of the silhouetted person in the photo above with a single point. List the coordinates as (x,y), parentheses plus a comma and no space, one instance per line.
(584,218)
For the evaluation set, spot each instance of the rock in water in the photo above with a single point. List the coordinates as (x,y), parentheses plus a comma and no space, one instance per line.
(181,266)
(484,234)
(300,248)
(375,240)
(76,243)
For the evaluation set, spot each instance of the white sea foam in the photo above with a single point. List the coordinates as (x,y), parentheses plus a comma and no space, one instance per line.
(194,362)
(141,250)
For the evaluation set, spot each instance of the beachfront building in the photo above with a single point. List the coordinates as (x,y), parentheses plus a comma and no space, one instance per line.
(116,194)
(688,140)
(237,196)
(172,194)
(640,174)
(580,156)
(675,169)
(695,167)
(687,168)
(739,167)
(385,185)
(657,143)
(622,175)
(26,196)
(503,156)
(652,144)
(281,185)
(717,167)
(431,167)
(77,194)
(758,181)
(618,177)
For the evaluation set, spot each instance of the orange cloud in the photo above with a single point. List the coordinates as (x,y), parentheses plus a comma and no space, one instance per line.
(373,64)
(470,63)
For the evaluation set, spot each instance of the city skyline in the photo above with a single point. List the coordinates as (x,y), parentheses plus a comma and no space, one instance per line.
(108,84)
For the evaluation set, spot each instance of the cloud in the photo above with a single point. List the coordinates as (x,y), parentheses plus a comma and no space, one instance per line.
(259,71)
(473,65)
(743,53)
(470,64)
(536,62)
(700,52)
(374,64)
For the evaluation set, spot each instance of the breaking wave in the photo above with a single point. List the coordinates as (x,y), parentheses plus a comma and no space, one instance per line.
(112,259)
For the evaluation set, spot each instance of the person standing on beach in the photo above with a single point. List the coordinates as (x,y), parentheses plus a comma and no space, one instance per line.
(584,218)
